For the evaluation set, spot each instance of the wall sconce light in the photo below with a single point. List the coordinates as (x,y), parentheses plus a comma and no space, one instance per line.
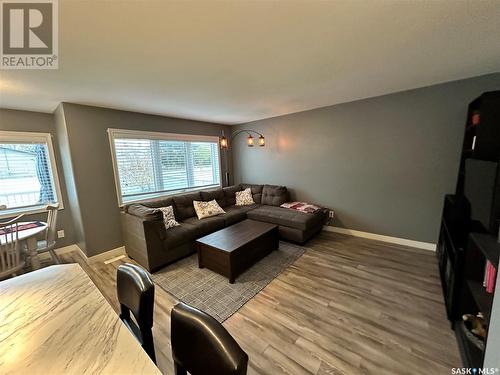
(250,140)
(224,142)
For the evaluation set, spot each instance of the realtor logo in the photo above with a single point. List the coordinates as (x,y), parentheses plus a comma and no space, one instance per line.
(29,34)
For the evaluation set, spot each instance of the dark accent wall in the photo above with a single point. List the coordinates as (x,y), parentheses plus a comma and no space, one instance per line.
(383,164)
(86,151)
(25,121)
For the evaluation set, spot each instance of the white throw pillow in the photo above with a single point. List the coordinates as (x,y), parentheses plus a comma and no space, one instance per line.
(244,198)
(169,217)
(207,209)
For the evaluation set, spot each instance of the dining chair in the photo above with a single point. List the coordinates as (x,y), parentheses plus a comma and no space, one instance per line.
(11,257)
(201,345)
(136,294)
(49,242)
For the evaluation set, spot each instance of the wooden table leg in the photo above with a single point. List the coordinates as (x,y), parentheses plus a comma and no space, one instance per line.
(33,254)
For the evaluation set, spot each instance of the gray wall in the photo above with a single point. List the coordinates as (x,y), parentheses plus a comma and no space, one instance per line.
(43,123)
(87,157)
(383,164)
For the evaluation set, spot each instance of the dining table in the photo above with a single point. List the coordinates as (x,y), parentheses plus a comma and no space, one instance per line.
(29,238)
(55,321)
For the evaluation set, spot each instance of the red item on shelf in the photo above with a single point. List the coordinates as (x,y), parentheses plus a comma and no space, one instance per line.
(476,118)
(485,278)
(492,273)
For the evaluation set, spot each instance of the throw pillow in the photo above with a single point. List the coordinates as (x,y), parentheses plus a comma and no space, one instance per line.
(169,217)
(244,198)
(301,206)
(207,209)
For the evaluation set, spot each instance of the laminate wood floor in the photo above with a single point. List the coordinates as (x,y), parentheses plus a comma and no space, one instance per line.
(347,306)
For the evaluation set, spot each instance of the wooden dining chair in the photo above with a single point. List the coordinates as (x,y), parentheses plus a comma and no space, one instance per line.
(11,257)
(49,242)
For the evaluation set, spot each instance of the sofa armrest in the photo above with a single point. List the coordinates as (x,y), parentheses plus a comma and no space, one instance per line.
(144,213)
(143,236)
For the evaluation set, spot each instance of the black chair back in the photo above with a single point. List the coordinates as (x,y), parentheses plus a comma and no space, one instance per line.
(201,345)
(136,294)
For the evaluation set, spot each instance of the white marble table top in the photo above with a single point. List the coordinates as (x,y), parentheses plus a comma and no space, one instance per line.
(55,321)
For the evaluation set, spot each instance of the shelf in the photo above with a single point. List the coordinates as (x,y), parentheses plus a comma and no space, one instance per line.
(483,299)
(488,245)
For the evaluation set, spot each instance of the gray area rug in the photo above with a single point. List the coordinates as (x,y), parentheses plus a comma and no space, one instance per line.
(212,293)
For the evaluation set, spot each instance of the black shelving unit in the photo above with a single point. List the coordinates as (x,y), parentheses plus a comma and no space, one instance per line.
(469,226)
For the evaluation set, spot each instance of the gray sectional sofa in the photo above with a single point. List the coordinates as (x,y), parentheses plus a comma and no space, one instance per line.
(153,246)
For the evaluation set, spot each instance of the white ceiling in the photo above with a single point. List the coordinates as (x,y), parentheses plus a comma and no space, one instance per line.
(233,62)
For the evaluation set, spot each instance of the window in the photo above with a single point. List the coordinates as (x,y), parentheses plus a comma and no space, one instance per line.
(150,164)
(28,176)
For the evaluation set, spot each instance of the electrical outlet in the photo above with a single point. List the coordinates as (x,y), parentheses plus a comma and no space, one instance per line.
(60,233)
(331,214)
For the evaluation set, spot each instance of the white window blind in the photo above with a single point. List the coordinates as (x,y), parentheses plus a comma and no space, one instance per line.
(28,178)
(151,164)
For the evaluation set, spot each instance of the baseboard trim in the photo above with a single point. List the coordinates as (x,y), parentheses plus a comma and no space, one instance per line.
(102,257)
(379,237)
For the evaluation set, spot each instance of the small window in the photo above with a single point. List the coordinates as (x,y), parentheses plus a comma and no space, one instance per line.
(148,164)
(28,176)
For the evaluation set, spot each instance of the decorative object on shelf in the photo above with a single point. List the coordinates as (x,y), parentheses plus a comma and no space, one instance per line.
(490,276)
(224,142)
(472,338)
(476,324)
(476,117)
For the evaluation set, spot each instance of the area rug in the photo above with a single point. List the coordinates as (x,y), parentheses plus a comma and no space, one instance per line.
(212,293)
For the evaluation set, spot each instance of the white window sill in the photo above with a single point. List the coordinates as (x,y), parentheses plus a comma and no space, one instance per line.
(10,213)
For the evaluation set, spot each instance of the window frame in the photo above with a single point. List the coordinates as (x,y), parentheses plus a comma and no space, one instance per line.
(139,134)
(33,137)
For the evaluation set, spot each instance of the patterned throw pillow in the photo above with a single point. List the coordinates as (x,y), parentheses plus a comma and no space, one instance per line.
(169,217)
(207,209)
(244,198)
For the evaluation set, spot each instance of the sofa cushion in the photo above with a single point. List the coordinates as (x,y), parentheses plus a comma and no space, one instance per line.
(256,191)
(158,202)
(184,205)
(230,195)
(179,235)
(273,195)
(243,208)
(143,212)
(287,217)
(234,214)
(217,194)
(206,226)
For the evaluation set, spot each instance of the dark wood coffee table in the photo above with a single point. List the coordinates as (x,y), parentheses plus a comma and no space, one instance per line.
(232,250)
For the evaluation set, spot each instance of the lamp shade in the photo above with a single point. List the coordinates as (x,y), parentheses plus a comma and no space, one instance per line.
(262,141)
(250,141)
(223,142)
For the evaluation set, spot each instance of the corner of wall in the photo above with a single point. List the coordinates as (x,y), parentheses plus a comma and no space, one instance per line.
(67,164)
